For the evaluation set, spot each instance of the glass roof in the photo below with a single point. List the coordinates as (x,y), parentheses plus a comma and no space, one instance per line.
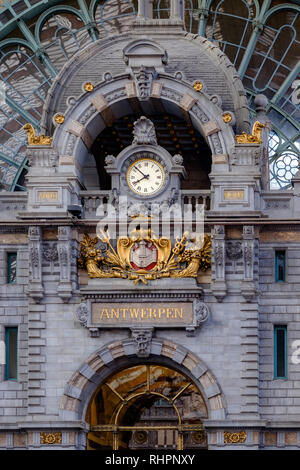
(260,37)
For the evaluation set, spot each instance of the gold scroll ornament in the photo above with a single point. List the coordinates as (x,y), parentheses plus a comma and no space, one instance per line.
(254,138)
(234,437)
(34,139)
(178,262)
(50,437)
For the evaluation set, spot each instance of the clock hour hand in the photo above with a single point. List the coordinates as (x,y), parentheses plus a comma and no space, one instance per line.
(144,177)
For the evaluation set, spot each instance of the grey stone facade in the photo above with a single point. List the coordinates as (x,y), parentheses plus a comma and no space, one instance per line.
(231,355)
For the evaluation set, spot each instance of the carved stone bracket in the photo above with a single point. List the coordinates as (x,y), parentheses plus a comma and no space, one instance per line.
(82,313)
(218,263)
(143,339)
(35,287)
(64,255)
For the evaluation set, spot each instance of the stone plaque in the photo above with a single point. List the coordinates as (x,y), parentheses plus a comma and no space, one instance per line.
(143,313)
(234,194)
(47,195)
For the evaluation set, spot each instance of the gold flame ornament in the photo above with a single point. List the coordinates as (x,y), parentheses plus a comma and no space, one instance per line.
(254,138)
(34,139)
(143,257)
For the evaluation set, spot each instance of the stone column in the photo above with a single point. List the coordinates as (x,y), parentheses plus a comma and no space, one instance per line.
(218,263)
(177,9)
(261,103)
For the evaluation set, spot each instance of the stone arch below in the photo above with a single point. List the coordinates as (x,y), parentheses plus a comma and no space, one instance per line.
(116,97)
(121,354)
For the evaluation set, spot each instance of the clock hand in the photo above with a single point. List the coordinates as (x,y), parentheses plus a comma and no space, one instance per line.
(140,171)
(145,176)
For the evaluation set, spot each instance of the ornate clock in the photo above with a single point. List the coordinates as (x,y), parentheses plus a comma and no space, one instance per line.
(144,170)
(145,176)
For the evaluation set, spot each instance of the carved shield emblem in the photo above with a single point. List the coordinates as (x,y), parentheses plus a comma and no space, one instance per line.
(143,255)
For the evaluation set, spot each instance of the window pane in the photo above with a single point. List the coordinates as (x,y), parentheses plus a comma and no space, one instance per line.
(280,351)
(11,353)
(280,266)
(11,268)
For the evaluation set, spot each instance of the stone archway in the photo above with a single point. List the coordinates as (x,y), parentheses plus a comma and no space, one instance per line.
(121,354)
(116,97)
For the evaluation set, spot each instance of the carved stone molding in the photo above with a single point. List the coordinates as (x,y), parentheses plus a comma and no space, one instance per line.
(64,248)
(50,252)
(218,285)
(234,250)
(144,132)
(35,287)
(82,313)
(247,285)
(142,338)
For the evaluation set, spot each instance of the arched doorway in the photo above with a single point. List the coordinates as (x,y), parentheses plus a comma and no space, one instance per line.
(147,406)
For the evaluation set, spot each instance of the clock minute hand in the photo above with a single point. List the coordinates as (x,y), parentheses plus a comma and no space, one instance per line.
(140,171)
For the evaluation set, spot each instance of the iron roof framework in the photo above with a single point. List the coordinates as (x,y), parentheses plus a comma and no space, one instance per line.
(260,37)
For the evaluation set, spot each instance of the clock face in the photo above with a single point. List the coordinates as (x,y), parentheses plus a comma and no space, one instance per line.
(145,176)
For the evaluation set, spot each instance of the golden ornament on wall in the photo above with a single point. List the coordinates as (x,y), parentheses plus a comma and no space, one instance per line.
(198,86)
(254,138)
(59,118)
(143,257)
(234,437)
(50,437)
(227,117)
(34,139)
(88,86)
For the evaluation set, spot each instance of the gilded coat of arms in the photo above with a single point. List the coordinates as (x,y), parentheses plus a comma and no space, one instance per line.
(144,257)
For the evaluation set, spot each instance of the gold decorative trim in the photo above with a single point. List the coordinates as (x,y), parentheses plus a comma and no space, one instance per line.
(227,117)
(254,138)
(59,118)
(50,438)
(36,140)
(88,86)
(235,437)
(178,262)
(198,86)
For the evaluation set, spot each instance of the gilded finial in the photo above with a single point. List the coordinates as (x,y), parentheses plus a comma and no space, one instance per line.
(254,138)
(34,139)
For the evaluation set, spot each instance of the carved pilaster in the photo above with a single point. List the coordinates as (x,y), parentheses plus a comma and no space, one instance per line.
(218,263)
(35,287)
(248,288)
(64,255)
